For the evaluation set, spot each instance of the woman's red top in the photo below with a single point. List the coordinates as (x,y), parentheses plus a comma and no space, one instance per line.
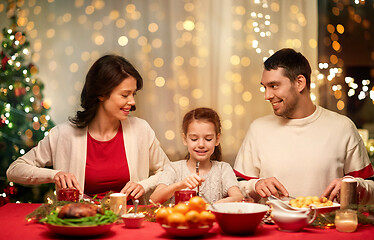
(106,166)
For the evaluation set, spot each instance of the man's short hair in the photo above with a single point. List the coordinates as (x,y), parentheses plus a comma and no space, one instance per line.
(293,63)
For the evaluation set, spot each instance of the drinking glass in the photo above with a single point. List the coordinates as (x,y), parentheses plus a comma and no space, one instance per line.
(68,194)
(183,195)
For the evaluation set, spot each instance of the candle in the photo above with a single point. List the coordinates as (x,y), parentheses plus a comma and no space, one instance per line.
(346,225)
(346,220)
(118,203)
(348,193)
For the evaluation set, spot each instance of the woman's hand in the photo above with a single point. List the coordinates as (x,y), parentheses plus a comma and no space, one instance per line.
(133,190)
(192,181)
(66,180)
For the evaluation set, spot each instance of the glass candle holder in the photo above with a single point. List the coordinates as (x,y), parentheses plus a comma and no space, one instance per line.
(68,194)
(183,195)
(346,220)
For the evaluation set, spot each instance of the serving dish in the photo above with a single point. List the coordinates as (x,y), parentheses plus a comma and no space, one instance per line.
(186,231)
(85,231)
(291,219)
(335,206)
(239,218)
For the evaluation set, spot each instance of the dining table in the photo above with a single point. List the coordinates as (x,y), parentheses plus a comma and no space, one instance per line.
(14,225)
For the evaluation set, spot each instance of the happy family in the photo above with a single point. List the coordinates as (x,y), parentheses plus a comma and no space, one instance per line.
(103,148)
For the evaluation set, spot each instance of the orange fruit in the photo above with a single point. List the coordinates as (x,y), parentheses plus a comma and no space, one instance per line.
(207,218)
(197,203)
(162,215)
(193,218)
(176,219)
(181,208)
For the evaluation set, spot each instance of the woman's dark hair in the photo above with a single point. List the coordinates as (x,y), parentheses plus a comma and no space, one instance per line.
(104,75)
(293,63)
(208,115)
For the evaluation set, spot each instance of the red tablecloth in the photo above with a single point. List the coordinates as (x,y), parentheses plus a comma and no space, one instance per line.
(13,225)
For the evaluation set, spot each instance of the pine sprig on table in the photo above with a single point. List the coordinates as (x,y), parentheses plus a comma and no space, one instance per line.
(44,210)
(149,212)
(365,216)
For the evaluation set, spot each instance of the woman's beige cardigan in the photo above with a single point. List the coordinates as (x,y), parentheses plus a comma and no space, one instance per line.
(65,149)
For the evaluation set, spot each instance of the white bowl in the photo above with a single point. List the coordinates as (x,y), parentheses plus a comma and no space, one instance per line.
(239,218)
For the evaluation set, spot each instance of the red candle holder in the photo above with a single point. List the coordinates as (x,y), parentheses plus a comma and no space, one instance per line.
(183,195)
(68,194)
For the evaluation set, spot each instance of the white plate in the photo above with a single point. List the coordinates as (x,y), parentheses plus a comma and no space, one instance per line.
(324,209)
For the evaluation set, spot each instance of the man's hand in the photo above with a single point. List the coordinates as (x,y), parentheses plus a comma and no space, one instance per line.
(133,190)
(66,180)
(332,190)
(270,186)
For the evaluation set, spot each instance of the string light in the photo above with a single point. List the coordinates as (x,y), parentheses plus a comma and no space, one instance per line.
(253,24)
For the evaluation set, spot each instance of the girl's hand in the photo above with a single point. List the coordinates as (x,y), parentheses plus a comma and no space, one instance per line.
(192,181)
(133,190)
(66,180)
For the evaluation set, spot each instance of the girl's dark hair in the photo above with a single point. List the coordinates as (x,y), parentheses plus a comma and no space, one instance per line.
(208,115)
(293,63)
(104,75)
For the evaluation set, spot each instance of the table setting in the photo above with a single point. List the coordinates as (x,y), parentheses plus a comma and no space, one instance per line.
(112,218)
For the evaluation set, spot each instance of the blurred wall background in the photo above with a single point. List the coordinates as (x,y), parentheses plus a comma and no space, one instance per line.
(191,53)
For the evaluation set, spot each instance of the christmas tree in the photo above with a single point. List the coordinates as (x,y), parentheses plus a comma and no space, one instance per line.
(24,118)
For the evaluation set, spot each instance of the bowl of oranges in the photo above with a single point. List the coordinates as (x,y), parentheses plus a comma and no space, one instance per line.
(189,219)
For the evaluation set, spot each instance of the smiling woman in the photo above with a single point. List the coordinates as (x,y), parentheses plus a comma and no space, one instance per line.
(96,151)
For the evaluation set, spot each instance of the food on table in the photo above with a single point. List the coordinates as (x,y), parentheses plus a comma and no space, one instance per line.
(162,215)
(305,202)
(192,214)
(80,214)
(176,219)
(197,203)
(207,217)
(78,210)
(193,218)
(181,208)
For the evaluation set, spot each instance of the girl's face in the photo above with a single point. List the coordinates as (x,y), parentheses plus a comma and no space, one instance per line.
(118,104)
(201,140)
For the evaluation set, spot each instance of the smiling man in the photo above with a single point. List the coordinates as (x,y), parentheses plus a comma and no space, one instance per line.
(304,149)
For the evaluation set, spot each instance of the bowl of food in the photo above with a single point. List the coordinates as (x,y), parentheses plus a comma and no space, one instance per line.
(133,220)
(239,218)
(323,205)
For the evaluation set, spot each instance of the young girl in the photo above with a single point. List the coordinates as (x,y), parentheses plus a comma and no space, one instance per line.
(216,180)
